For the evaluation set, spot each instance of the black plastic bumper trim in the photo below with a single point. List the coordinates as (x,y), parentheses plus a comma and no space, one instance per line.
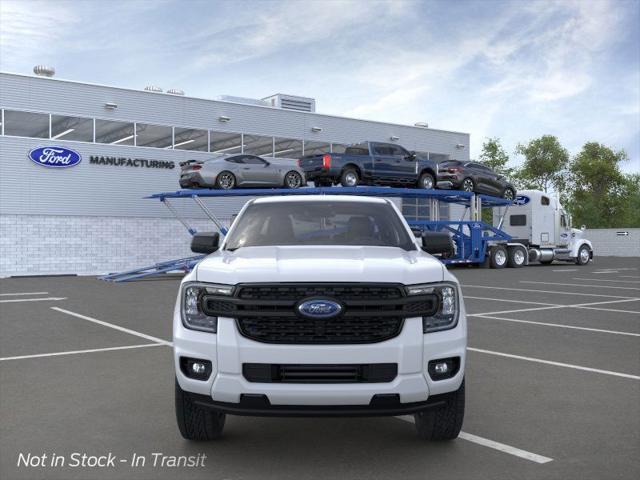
(381,405)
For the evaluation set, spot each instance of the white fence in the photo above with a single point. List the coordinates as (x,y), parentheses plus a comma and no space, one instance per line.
(615,242)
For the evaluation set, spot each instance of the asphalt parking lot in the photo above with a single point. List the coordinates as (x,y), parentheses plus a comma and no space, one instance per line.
(553,386)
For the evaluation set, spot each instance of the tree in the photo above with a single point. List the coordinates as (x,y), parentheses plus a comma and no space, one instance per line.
(600,195)
(545,164)
(494,156)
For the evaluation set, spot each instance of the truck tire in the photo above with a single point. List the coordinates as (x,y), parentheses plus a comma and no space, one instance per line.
(498,257)
(517,257)
(349,177)
(509,194)
(195,422)
(426,181)
(442,423)
(584,255)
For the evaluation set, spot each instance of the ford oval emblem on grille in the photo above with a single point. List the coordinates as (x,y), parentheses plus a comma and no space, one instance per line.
(319,308)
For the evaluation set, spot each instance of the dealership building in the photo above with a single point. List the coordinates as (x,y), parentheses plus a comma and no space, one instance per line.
(92,217)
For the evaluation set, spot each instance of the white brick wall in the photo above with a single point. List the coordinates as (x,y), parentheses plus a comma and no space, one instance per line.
(607,242)
(44,245)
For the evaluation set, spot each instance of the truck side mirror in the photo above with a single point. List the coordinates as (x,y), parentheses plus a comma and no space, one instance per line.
(411,156)
(206,242)
(583,227)
(437,243)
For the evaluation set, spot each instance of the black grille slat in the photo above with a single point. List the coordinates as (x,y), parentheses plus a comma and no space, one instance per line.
(371,312)
(329,373)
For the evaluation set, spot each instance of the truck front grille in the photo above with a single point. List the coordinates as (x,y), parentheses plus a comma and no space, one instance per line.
(329,373)
(371,312)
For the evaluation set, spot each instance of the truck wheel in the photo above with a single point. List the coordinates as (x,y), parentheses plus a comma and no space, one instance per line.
(442,423)
(426,182)
(517,257)
(349,178)
(225,180)
(499,257)
(195,422)
(584,255)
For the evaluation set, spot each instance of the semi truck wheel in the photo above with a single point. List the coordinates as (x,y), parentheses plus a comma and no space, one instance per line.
(442,423)
(195,422)
(517,257)
(498,257)
(584,255)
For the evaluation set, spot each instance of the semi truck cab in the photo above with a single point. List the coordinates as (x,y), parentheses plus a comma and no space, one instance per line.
(537,221)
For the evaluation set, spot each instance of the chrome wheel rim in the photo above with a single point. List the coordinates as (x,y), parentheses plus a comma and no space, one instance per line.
(584,255)
(293,180)
(427,182)
(351,179)
(500,257)
(508,194)
(467,185)
(518,257)
(226,181)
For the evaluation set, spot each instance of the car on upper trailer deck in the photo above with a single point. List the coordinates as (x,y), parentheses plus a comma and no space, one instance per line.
(371,163)
(474,177)
(244,170)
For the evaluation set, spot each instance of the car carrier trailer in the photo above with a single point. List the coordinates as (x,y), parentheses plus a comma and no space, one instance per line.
(499,245)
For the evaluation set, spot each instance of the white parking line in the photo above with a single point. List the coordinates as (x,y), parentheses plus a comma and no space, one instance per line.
(556,364)
(485,442)
(510,301)
(628,276)
(75,352)
(115,327)
(566,270)
(22,293)
(604,280)
(579,294)
(44,299)
(551,306)
(559,325)
(581,285)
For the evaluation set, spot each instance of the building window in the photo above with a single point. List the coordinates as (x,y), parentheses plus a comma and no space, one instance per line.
(226,143)
(71,128)
(191,139)
(316,148)
(258,145)
(26,124)
(156,136)
(287,148)
(115,133)
(419,209)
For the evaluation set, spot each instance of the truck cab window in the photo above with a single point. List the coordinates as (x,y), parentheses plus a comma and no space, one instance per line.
(517,220)
(544,201)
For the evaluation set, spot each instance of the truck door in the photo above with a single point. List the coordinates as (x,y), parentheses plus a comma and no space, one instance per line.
(383,161)
(564,230)
(404,165)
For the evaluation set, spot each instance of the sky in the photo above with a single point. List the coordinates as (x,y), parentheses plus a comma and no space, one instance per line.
(515,70)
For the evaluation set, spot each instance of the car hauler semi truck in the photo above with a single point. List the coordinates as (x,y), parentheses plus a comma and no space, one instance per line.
(540,231)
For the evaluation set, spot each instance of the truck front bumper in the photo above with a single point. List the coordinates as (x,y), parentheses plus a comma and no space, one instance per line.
(411,390)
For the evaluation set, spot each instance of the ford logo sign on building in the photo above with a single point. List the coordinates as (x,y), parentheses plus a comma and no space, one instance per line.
(55,157)
(320,308)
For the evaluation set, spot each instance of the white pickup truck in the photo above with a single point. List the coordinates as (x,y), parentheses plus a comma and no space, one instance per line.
(319,306)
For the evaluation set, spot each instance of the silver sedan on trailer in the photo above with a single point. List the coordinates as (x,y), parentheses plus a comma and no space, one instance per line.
(232,171)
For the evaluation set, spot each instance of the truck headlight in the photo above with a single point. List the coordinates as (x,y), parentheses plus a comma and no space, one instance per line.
(448,305)
(193,317)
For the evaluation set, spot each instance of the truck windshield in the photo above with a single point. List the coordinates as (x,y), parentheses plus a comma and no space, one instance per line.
(319,223)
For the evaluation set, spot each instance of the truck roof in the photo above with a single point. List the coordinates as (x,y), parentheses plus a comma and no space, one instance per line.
(320,198)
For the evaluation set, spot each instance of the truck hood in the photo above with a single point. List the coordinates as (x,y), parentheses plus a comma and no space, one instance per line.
(320,264)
